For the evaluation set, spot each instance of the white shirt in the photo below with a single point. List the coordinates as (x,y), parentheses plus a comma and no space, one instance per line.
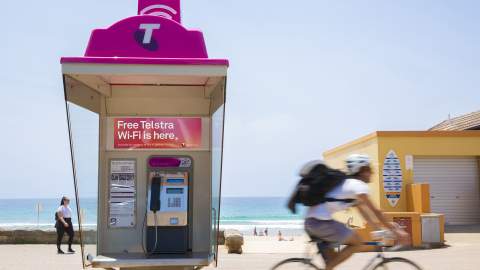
(65,210)
(347,190)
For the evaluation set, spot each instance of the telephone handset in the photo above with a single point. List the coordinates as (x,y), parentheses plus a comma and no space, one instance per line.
(155,193)
(155,189)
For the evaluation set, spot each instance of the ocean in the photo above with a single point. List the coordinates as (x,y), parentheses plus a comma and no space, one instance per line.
(241,213)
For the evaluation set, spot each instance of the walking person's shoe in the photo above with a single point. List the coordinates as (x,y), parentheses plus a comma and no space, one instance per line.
(71,250)
(60,251)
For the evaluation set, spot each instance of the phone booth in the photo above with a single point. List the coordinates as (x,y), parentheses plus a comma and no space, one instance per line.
(145,108)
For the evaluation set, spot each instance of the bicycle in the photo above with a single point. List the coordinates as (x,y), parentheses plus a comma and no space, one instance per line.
(379,262)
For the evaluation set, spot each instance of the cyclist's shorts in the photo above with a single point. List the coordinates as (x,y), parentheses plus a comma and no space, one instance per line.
(328,230)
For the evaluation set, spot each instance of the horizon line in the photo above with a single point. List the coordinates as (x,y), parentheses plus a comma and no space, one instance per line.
(52,198)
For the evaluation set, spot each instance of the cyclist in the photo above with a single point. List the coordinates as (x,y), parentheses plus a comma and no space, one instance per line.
(320,224)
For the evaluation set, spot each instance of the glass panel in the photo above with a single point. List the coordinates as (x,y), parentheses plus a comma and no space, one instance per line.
(84,139)
(217,146)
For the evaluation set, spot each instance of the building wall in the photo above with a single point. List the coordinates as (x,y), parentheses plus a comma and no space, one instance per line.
(414,143)
(462,143)
(335,158)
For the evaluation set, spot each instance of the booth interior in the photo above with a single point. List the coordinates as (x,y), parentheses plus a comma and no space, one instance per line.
(157,206)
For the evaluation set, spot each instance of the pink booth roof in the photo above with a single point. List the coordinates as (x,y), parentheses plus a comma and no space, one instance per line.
(146,39)
(145,61)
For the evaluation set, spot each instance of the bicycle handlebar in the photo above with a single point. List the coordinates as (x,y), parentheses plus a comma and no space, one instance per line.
(387,248)
(384,236)
(394,248)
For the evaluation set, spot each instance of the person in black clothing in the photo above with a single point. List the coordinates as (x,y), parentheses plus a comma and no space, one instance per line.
(64,225)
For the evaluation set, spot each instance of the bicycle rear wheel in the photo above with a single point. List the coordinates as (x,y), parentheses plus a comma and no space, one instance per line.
(295,264)
(396,263)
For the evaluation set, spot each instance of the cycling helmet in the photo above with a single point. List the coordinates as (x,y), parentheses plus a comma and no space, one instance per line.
(307,168)
(355,162)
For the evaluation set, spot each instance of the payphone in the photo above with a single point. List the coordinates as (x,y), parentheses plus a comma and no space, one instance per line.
(158,103)
(168,204)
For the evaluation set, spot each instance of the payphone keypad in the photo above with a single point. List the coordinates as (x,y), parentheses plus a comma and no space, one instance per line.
(173,199)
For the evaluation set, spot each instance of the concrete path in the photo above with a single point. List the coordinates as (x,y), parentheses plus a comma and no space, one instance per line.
(463,254)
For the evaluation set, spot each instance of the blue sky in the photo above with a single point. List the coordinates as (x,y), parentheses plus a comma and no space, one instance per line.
(305,76)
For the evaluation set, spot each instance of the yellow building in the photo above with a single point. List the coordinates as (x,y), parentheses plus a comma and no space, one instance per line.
(447,160)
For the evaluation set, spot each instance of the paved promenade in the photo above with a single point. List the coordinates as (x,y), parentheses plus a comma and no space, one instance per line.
(462,254)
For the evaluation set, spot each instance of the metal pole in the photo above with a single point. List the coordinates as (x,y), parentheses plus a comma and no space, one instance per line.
(74,172)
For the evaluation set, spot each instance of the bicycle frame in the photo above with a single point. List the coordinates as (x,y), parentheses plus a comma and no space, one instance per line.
(371,262)
(377,260)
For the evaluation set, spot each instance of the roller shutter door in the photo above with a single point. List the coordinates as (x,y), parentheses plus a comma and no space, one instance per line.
(454,187)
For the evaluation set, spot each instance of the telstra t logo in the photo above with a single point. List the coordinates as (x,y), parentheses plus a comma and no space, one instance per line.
(144,36)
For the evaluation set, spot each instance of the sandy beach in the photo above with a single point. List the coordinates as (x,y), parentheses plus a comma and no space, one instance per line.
(260,253)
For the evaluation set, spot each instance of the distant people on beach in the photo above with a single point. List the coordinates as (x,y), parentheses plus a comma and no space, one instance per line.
(280,236)
(63,224)
(260,232)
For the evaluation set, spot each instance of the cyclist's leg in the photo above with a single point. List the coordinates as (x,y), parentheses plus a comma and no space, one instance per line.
(328,254)
(353,243)
(333,232)
(325,249)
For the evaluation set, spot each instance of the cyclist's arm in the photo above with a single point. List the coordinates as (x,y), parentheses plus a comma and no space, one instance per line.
(365,202)
(367,215)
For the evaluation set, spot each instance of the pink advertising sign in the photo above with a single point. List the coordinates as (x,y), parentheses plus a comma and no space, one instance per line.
(157,132)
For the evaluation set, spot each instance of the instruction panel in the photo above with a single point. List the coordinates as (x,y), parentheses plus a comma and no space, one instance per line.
(122,193)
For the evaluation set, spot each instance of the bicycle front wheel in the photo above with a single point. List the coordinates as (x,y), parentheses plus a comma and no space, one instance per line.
(295,264)
(396,263)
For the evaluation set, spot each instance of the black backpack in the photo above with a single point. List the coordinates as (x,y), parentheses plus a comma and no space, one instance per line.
(313,187)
